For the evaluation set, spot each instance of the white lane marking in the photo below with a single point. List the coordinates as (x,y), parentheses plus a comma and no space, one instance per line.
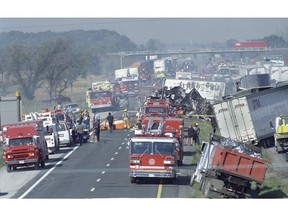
(107,165)
(123,143)
(112,159)
(103,172)
(98,180)
(120,147)
(116,153)
(128,134)
(92,189)
(46,174)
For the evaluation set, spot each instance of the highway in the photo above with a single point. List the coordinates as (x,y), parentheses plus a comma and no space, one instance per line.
(93,170)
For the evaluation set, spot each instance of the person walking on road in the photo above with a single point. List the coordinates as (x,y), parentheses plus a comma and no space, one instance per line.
(196,134)
(190,135)
(95,137)
(110,119)
(80,131)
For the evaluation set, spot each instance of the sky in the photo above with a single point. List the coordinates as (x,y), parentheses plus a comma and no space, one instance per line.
(177,22)
(167,30)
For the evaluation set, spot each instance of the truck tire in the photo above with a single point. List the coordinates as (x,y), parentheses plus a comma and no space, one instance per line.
(36,165)
(8,168)
(42,163)
(133,179)
(179,162)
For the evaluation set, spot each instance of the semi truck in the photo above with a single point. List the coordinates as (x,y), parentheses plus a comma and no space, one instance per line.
(229,169)
(250,44)
(245,116)
(24,144)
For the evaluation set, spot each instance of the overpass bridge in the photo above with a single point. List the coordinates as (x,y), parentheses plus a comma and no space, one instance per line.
(190,51)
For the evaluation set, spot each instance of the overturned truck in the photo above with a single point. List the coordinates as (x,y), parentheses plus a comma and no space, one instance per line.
(192,102)
(229,169)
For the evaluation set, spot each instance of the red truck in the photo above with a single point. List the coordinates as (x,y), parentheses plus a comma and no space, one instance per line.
(250,44)
(152,154)
(230,169)
(172,126)
(24,144)
(157,107)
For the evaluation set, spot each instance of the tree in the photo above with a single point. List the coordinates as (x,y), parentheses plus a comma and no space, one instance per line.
(21,66)
(275,41)
(61,65)
(154,44)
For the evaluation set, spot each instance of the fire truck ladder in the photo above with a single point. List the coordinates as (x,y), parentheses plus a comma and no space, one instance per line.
(155,127)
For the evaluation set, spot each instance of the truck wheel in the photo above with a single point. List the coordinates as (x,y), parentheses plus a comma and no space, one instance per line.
(207,188)
(43,164)
(36,165)
(179,162)
(202,184)
(133,179)
(8,168)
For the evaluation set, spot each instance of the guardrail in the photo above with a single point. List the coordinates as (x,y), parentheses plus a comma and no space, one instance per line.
(194,51)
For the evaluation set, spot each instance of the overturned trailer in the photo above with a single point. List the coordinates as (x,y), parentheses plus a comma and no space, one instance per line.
(246,115)
(229,169)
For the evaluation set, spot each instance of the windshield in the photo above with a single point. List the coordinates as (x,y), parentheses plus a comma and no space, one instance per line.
(60,117)
(163,148)
(100,95)
(61,127)
(155,110)
(141,147)
(20,141)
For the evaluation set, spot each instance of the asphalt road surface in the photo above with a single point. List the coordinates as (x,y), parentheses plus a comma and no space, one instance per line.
(93,170)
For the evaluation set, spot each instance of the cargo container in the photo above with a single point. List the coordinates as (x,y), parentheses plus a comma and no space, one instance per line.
(245,116)
(212,91)
(229,169)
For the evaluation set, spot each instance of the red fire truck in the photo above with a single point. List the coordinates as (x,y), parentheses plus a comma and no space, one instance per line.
(155,106)
(128,87)
(152,154)
(171,125)
(24,144)
(102,96)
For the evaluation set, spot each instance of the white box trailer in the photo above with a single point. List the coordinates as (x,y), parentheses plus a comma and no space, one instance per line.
(129,72)
(211,90)
(246,118)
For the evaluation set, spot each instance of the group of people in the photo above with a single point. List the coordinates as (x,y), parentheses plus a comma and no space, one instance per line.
(193,135)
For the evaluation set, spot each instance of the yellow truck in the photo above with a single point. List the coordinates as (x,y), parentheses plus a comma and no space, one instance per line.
(281,134)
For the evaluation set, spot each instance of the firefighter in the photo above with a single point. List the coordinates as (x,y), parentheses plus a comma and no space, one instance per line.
(139,124)
(126,119)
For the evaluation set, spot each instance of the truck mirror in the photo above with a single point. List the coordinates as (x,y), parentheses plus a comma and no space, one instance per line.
(271,125)
(203,146)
